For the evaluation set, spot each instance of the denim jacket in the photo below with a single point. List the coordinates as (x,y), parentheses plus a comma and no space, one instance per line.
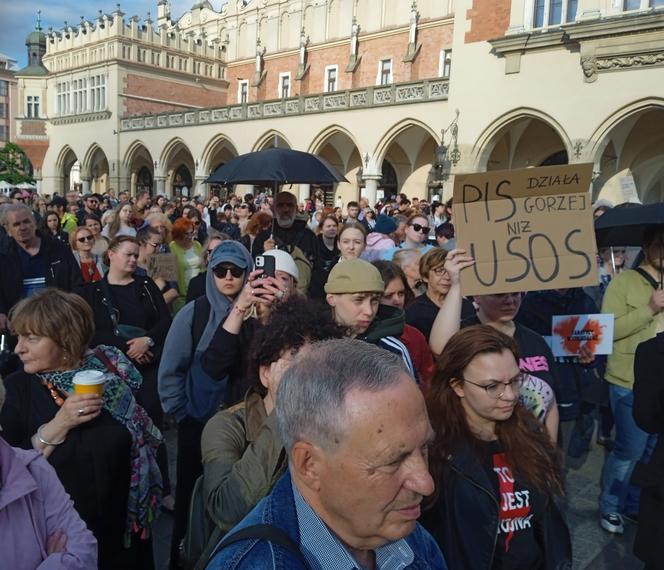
(278,509)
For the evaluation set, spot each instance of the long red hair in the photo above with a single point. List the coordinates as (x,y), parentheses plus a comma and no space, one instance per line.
(528,449)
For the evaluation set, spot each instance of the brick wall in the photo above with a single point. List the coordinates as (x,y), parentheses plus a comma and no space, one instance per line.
(173,96)
(489,19)
(426,65)
(35,151)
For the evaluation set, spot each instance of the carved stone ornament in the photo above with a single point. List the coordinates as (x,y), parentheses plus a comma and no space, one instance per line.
(631,61)
(589,67)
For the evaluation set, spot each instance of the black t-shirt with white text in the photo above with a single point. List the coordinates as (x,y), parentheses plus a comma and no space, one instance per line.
(521,506)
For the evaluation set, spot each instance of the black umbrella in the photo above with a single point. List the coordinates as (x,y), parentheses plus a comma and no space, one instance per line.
(276,166)
(626,225)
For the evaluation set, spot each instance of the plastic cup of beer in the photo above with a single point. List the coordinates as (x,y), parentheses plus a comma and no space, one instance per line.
(89,382)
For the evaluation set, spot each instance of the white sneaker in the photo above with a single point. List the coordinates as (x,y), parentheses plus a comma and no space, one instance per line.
(613,523)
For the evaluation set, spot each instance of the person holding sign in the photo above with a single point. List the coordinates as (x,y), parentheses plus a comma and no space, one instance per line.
(498,311)
(636,299)
(150,242)
(497,473)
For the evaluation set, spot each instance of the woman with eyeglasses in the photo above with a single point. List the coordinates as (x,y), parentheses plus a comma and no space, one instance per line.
(187,253)
(81,242)
(498,476)
(416,235)
(149,243)
(498,311)
(243,213)
(421,313)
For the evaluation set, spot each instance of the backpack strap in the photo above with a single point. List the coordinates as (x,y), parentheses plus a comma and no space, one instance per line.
(199,319)
(649,278)
(263,532)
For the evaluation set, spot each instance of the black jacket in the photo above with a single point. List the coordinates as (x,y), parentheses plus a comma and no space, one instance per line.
(62,271)
(648,412)
(298,235)
(464,519)
(157,320)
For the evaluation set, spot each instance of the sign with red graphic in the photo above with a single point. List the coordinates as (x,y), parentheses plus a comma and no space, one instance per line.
(571,332)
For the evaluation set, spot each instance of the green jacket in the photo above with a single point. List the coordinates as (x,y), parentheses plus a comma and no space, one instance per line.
(627,297)
(69,222)
(242,460)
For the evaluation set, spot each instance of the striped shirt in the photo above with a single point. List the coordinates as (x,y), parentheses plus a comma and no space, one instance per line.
(323,550)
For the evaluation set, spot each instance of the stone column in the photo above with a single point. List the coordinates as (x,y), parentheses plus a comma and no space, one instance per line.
(160,185)
(199,186)
(371,189)
(85,186)
(305,192)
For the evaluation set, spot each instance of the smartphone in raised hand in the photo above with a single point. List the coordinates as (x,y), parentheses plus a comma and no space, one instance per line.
(267,264)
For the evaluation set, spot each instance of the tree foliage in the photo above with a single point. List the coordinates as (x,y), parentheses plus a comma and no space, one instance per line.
(14,165)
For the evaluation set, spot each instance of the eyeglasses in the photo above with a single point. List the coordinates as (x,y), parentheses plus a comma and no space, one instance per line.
(86,238)
(439,271)
(221,271)
(496,389)
(243,206)
(420,228)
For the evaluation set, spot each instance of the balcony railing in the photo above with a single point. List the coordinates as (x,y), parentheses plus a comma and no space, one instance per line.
(369,97)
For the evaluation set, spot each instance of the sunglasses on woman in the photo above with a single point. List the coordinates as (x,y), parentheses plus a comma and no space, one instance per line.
(421,228)
(84,239)
(221,271)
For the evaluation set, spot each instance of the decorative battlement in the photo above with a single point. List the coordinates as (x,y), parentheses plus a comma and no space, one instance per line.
(143,33)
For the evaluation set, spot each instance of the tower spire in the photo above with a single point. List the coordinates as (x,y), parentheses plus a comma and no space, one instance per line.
(38,27)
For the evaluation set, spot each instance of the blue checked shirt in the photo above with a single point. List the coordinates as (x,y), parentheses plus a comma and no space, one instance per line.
(323,550)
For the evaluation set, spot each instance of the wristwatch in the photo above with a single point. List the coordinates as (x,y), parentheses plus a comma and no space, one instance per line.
(150,342)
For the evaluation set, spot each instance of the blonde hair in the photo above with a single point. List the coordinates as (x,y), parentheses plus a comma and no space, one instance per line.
(63,317)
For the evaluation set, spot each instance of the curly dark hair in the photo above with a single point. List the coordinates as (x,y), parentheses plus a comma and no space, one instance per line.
(291,324)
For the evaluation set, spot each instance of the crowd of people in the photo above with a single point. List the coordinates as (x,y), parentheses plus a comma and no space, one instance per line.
(338,402)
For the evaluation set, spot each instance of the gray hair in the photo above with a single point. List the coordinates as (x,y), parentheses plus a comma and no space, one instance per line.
(212,235)
(6,209)
(311,398)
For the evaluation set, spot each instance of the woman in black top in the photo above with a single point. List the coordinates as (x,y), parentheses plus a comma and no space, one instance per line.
(536,360)
(51,227)
(102,448)
(130,314)
(497,474)
(421,313)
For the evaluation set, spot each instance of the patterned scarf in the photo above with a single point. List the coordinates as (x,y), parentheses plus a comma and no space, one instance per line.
(145,481)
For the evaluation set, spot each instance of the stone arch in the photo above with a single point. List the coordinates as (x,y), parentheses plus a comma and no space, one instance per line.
(523,137)
(177,164)
(389,137)
(268,138)
(339,147)
(409,148)
(219,150)
(138,162)
(95,170)
(69,169)
(628,153)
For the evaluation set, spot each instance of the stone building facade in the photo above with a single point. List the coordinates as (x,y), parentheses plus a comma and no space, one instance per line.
(398,95)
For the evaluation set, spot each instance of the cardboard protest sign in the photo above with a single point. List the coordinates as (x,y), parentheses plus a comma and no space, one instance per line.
(163,265)
(571,332)
(527,229)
